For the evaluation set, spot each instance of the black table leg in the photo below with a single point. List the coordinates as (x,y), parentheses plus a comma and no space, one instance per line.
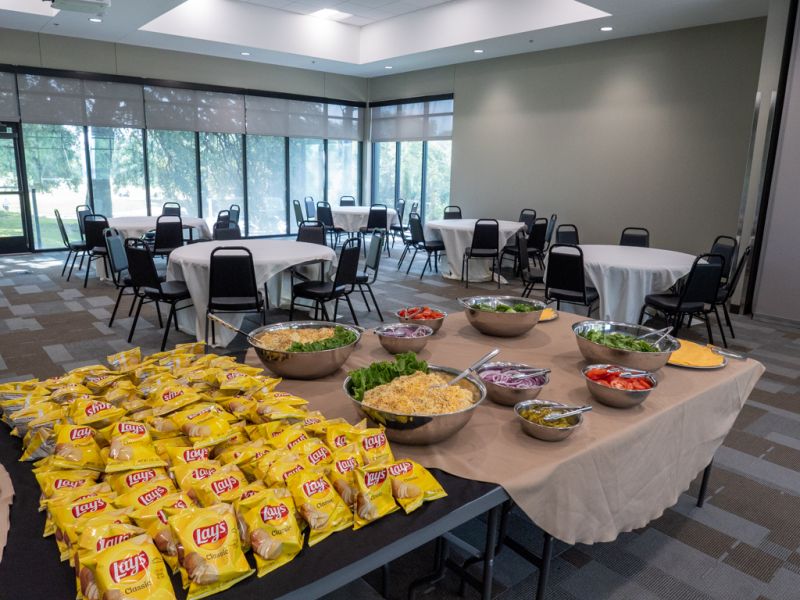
(544,568)
(488,556)
(701,496)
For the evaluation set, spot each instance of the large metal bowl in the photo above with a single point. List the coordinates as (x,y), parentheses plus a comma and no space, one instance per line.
(614,397)
(435,324)
(543,432)
(508,396)
(420,430)
(397,345)
(501,324)
(303,365)
(598,353)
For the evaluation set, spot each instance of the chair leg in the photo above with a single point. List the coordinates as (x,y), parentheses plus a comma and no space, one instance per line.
(166,329)
(135,317)
(641,314)
(411,262)
(426,265)
(728,319)
(707,319)
(66,262)
(364,296)
(291,309)
(377,308)
(158,312)
(402,258)
(719,324)
(324,310)
(133,302)
(205,336)
(466,260)
(80,266)
(116,306)
(336,309)
(72,266)
(496,265)
(86,274)
(352,312)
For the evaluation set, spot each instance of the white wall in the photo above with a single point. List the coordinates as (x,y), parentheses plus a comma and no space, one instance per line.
(650,131)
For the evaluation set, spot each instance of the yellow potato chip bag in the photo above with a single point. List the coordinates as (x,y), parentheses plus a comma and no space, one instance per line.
(273,531)
(133,570)
(179,455)
(282,468)
(374,446)
(76,448)
(374,499)
(146,494)
(412,484)
(288,438)
(316,454)
(122,361)
(190,474)
(130,448)
(68,510)
(98,535)
(319,504)
(343,472)
(57,483)
(154,518)
(341,434)
(169,398)
(223,486)
(122,483)
(204,424)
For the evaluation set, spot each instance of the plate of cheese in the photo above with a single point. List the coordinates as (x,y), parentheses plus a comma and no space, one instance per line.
(696,356)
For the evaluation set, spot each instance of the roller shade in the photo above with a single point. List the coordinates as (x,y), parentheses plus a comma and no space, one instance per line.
(296,118)
(427,120)
(9,108)
(110,104)
(192,110)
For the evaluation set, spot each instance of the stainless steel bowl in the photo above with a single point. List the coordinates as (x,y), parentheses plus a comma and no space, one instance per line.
(420,430)
(435,324)
(501,324)
(644,361)
(616,397)
(543,432)
(509,396)
(304,365)
(398,345)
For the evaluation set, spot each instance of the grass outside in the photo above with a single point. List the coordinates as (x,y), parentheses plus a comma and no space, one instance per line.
(48,234)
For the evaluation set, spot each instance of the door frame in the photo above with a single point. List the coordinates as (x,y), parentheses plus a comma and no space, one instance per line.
(26,245)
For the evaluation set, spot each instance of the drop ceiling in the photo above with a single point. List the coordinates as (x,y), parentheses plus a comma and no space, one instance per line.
(404,35)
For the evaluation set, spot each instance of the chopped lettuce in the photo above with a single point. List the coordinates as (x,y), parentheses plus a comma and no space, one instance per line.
(382,372)
(619,341)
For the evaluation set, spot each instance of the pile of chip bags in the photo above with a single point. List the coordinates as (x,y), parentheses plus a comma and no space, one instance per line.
(183,461)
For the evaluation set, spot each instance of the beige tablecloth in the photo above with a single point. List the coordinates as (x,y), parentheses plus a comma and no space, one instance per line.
(618,472)
(136,227)
(353,218)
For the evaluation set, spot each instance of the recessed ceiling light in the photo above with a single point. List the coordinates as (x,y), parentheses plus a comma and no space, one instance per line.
(478,51)
(244,53)
(388,67)
(607,28)
(331,14)
(95,19)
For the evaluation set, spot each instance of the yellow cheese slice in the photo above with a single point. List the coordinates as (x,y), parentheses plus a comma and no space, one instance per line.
(695,355)
(548,314)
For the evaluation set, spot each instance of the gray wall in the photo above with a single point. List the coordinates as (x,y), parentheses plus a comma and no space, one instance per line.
(649,130)
(778,284)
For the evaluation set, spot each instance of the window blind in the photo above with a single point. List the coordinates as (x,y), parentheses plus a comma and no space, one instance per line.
(427,120)
(296,118)
(9,109)
(192,110)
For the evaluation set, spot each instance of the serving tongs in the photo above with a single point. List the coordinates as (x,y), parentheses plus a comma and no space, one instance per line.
(250,338)
(629,373)
(725,352)
(566,412)
(662,333)
(478,363)
(525,373)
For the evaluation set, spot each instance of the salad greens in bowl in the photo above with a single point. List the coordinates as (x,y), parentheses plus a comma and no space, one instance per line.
(624,344)
(502,316)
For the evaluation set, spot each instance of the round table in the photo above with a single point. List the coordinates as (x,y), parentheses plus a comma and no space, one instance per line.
(136,227)
(192,264)
(624,275)
(353,218)
(456,234)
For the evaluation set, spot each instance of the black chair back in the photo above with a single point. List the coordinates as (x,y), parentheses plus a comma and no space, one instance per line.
(414,207)
(115,246)
(378,217)
(373,260)
(486,235)
(551,227)
(702,283)
(524,259)
(311,232)
(325,214)
(81,211)
(311,210)
(347,201)
(234,211)
(169,233)
(62,230)
(567,234)
(565,270)
(347,270)
(417,233)
(635,236)
(538,236)
(232,274)
(299,217)
(400,208)
(527,216)
(93,226)
(725,246)
(230,231)
(171,209)
(141,267)
(224,218)
(452,212)
(730,287)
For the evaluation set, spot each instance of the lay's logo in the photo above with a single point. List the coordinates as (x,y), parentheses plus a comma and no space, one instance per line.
(95,505)
(200,413)
(247,494)
(291,472)
(179,504)
(401,468)
(311,421)
(316,486)
(132,428)
(113,540)
(318,455)
(97,407)
(171,395)
(151,496)
(274,513)
(211,535)
(132,566)
(347,465)
(194,454)
(67,483)
(296,441)
(203,472)
(373,442)
(233,375)
(222,486)
(80,433)
(340,441)
(373,478)
(139,477)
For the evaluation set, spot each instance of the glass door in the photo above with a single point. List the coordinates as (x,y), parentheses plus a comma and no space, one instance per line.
(12,219)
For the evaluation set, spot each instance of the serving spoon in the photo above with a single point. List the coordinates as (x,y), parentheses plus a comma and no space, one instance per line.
(481,361)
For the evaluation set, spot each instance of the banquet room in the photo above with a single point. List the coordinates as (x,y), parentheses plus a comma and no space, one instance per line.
(501,296)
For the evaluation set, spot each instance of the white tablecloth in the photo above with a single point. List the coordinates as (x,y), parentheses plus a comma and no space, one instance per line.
(624,275)
(456,234)
(136,227)
(270,257)
(353,218)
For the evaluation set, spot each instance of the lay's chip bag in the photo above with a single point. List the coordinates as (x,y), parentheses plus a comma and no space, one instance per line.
(76,448)
(374,446)
(273,531)
(374,498)
(130,448)
(319,504)
(132,570)
(343,472)
(223,486)
(412,484)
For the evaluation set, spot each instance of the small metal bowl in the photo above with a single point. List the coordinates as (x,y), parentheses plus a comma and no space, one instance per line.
(501,324)
(643,361)
(508,396)
(304,365)
(543,432)
(435,324)
(421,430)
(616,397)
(397,345)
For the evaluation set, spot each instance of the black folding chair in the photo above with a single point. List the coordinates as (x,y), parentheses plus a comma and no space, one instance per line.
(726,247)
(377,220)
(565,280)
(418,242)
(698,296)
(298,212)
(224,218)
(551,227)
(81,211)
(149,287)
(726,291)
(399,229)
(232,286)
(485,244)
(567,234)
(372,264)
(527,216)
(227,232)
(72,247)
(347,201)
(530,277)
(452,212)
(325,216)
(171,209)
(311,210)
(234,212)
(118,265)
(169,235)
(635,236)
(342,286)
(93,226)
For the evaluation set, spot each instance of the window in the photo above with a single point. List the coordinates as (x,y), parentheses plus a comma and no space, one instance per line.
(221,172)
(266,185)
(55,162)
(343,171)
(306,172)
(410,172)
(172,167)
(437,179)
(117,159)
(383,173)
